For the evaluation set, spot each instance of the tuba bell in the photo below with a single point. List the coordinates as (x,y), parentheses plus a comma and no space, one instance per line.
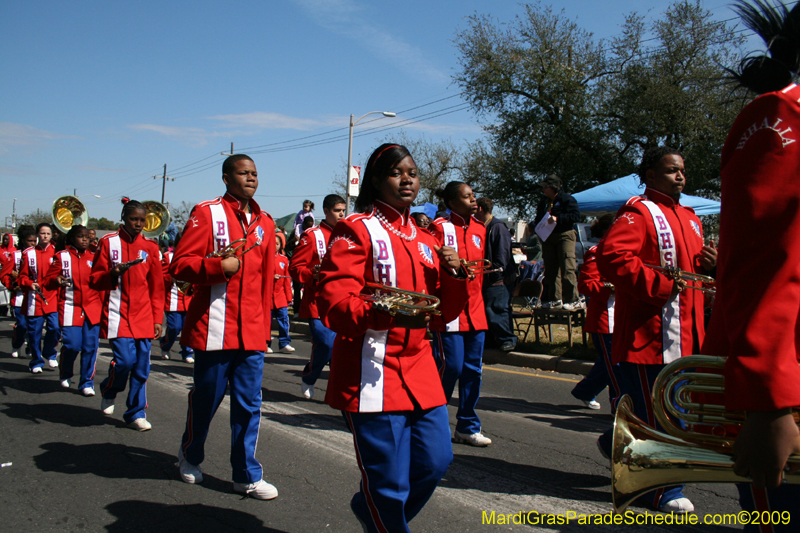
(644,459)
(156,219)
(69,211)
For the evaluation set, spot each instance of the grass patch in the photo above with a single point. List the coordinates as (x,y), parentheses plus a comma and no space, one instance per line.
(560,344)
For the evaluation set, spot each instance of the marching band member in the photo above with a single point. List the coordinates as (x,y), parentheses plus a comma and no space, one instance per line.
(228,321)
(383,375)
(458,344)
(175,306)
(127,269)
(303,268)
(600,323)
(9,277)
(40,303)
(755,318)
(79,308)
(281,297)
(656,321)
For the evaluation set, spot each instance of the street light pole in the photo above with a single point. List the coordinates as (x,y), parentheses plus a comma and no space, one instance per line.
(350,154)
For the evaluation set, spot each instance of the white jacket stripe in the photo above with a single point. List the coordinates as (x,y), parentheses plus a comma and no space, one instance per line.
(114,296)
(32,296)
(69,290)
(451,240)
(373,349)
(219,292)
(671,312)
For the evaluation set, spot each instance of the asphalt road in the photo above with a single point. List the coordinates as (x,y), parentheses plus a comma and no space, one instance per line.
(74,469)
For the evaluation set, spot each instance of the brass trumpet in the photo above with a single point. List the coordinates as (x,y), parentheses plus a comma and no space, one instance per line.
(690,277)
(398,301)
(479,266)
(644,459)
(231,250)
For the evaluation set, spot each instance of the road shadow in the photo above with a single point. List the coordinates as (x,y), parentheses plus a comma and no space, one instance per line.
(496,475)
(109,460)
(196,518)
(137,515)
(60,413)
(332,421)
(563,416)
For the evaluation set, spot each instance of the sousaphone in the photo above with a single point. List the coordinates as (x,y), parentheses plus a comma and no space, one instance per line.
(69,211)
(156,220)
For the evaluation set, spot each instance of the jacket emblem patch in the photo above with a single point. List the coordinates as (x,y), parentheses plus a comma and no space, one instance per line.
(476,241)
(426,253)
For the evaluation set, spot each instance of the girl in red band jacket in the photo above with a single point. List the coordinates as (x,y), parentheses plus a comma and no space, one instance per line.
(79,308)
(306,256)
(382,373)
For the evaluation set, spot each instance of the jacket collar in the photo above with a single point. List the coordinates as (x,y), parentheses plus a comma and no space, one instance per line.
(42,249)
(325,223)
(660,198)
(395,217)
(237,205)
(127,237)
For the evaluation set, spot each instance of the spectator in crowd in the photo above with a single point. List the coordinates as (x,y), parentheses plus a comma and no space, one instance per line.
(497,286)
(421,219)
(305,213)
(558,250)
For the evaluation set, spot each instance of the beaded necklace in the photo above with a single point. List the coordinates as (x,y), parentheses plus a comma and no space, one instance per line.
(386,224)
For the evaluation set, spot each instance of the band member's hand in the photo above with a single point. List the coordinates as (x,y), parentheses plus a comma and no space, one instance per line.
(36,287)
(448,256)
(230,266)
(552,220)
(767,439)
(120,269)
(62,281)
(680,285)
(14,274)
(158,330)
(708,256)
(412,322)
(277,276)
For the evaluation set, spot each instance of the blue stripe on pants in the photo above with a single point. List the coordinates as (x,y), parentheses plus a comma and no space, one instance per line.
(402,456)
(460,355)
(213,371)
(131,357)
(83,339)
(321,351)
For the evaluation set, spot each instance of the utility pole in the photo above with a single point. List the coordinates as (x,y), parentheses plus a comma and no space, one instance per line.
(223,153)
(164,184)
(14,215)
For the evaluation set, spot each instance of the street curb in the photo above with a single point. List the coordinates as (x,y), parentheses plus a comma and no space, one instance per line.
(552,363)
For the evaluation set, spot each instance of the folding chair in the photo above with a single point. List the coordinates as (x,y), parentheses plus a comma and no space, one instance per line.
(527,296)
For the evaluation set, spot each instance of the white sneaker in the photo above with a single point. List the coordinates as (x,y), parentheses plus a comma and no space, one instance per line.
(15,354)
(87,391)
(261,490)
(308,390)
(107,406)
(269,350)
(65,383)
(678,506)
(141,424)
(287,349)
(189,359)
(555,304)
(52,363)
(476,439)
(189,473)
(36,370)
(164,354)
(592,404)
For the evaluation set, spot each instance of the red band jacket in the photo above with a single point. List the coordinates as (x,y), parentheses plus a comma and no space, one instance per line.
(227,314)
(755,321)
(36,261)
(175,300)
(307,254)
(12,264)
(470,240)
(282,294)
(600,310)
(134,302)
(377,366)
(77,301)
(641,292)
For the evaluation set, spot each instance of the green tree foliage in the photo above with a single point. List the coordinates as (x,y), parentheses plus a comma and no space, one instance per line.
(36,217)
(101,223)
(552,99)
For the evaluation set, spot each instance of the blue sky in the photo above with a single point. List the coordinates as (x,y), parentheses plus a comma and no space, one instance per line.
(98,96)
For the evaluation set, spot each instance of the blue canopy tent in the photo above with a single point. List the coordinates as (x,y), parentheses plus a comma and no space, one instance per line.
(428,208)
(609,197)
